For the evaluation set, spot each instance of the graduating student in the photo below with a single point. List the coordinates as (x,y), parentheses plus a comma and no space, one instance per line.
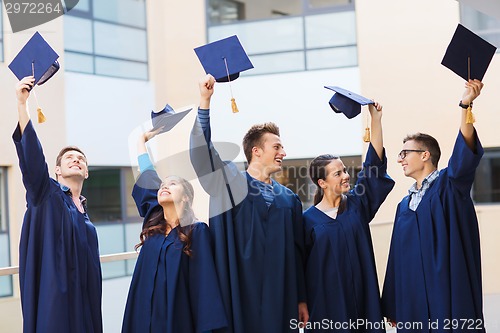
(59,267)
(341,277)
(434,268)
(433,275)
(174,287)
(256,227)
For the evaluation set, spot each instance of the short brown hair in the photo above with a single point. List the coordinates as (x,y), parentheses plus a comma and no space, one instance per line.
(65,150)
(428,143)
(253,138)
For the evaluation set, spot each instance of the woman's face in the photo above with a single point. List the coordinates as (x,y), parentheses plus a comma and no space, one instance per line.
(337,179)
(171,191)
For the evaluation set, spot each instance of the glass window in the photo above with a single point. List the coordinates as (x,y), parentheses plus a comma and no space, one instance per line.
(4,225)
(120,42)
(264,36)
(112,210)
(332,29)
(486,188)
(126,12)
(327,3)
(107,38)
(488,27)
(5,281)
(292,36)
(229,11)
(277,63)
(83,5)
(103,193)
(332,58)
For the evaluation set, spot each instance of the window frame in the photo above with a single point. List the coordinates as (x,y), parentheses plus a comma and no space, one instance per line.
(88,15)
(4,202)
(490,153)
(464,8)
(310,55)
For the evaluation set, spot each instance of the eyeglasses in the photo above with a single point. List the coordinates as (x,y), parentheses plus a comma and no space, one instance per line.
(402,154)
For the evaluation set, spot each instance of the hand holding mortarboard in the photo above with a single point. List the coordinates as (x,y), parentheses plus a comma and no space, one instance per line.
(206,86)
(224,59)
(468,56)
(349,103)
(36,59)
(166,119)
(23,88)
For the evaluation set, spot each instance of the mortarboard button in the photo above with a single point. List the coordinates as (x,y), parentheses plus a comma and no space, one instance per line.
(468,55)
(36,58)
(224,59)
(347,102)
(168,118)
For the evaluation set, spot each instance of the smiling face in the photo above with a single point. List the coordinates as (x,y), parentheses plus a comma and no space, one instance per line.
(414,159)
(271,153)
(72,164)
(171,191)
(337,179)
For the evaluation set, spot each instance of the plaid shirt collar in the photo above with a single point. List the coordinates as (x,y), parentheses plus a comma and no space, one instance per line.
(425,183)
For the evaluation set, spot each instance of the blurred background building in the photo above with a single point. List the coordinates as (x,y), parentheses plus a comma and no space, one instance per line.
(121,59)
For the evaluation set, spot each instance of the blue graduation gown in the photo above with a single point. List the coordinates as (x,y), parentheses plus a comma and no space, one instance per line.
(341,277)
(171,292)
(59,268)
(434,269)
(259,250)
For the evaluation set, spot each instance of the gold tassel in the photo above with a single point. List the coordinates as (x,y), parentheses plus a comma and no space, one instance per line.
(366,138)
(41,116)
(470,116)
(233,106)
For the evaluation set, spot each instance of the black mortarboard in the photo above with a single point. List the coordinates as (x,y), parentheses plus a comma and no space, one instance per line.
(468,55)
(224,59)
(347,102)
(36,58)
(167,118)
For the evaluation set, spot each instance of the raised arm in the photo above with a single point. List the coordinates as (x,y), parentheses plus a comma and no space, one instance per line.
(376,129)
(222,180)
(206,85)
(29,150)
(22,94)
(472,90)
(148,183)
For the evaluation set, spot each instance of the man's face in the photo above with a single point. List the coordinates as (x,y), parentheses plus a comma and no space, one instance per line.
(271,154)
(73,164)
(410,158)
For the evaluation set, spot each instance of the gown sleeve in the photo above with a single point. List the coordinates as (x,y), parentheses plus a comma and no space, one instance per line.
(463,163)
(208,311)
(34,169)
(373,184)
